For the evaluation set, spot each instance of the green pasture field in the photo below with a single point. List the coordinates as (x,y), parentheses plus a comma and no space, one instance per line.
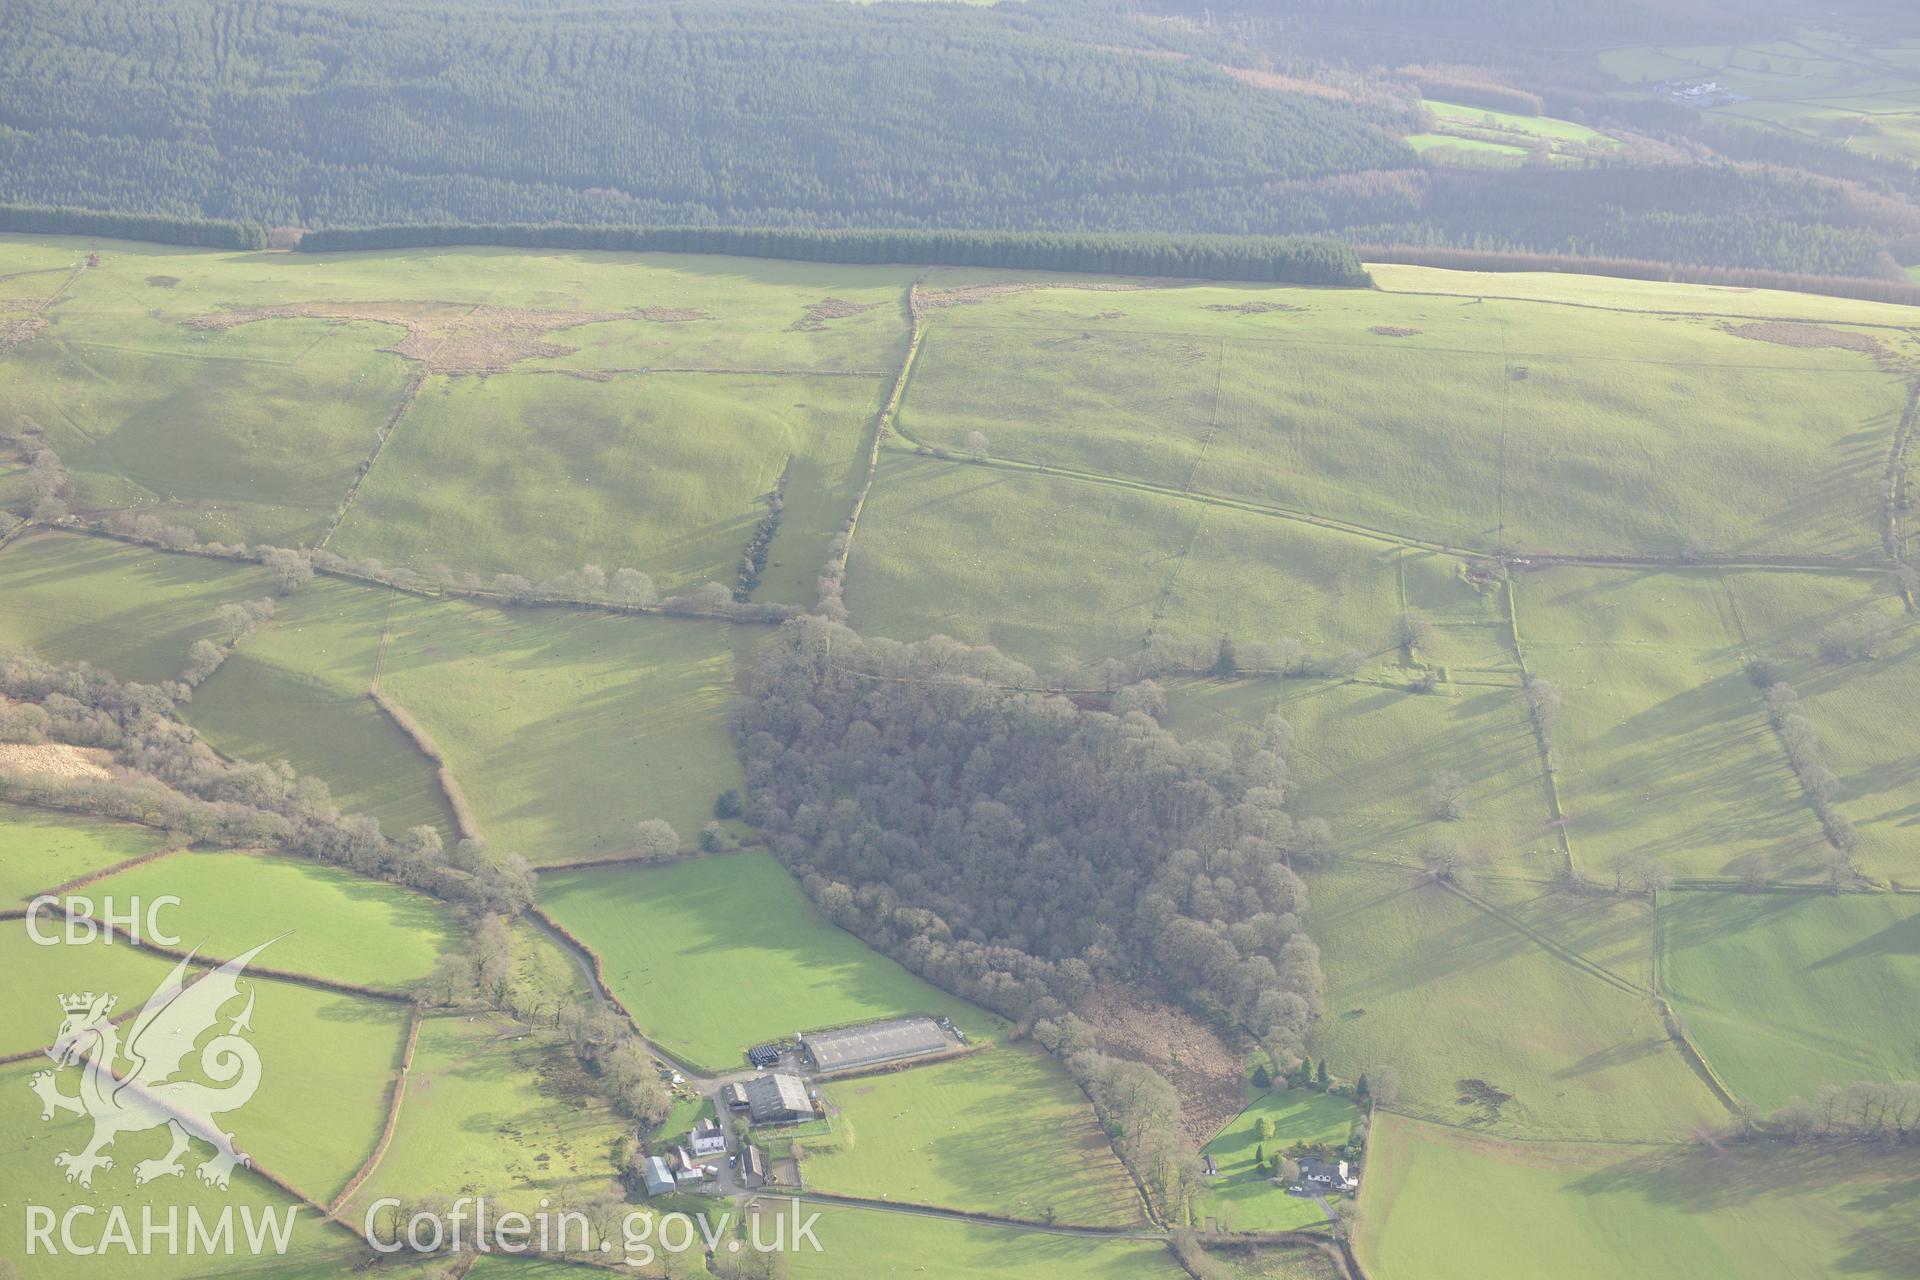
(1646,297)
(1439,1204)
(1446,147)
(662,472)
(874,1242)
(248,435)
(492,1107)
(329,922)
(38,975)
(1453,113)
(1003,1131)
(297,690)
(566,727)
(1785,992)
(1243,1197)
(40,849)
(714,954)
(1663,742)
(130,611)
(1474,423)
(1449,993)
(321,1054)
(32,1178)
(1063,572)
(1268,1262)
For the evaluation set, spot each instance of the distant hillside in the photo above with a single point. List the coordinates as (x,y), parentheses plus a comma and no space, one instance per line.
(747,112)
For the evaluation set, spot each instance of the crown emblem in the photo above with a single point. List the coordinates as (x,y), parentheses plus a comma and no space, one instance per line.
(82,1003)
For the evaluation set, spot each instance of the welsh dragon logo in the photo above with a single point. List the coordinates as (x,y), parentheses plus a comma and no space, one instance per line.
(133,1089)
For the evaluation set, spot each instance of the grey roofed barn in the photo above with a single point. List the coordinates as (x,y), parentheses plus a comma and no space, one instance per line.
(778,1097)
(659,1178)
(873,1043)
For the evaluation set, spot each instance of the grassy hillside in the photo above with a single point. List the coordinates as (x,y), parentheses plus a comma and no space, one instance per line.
(133,612)
(1003,1131)
(39,850)
(714,954)
(326,921)
(564,727)
(871,1242)
(1787,992)
(1440,1204)
(1489,1026)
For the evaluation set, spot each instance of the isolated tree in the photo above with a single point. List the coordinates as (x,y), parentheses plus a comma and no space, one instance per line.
(1383,1084)
(977,446)
(655,839)
(1447,796)
(1413,631)
(1320,1078)
(1225,663)
(1262,1078)
(728,805)
(1263,1129)
(711,841)
(1445,858)
(1543,704)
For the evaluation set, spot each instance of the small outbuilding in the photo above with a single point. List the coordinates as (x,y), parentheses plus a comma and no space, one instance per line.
(753,1166)
(659,1178)
(735,1096)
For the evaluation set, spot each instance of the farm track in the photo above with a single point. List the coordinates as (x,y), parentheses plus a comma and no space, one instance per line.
(885,423)
(416,380)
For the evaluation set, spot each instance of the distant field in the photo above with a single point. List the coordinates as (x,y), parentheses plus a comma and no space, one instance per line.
(715,953)
(1062,573)
(1003,1131)
(1442,1205)
(492,1108)
(1243,1197)
(1787,992)
(661,472)
(1474,423)
(1547,127)
(328,922)
(33,1178)
(131,611)
(567,727)
(39,849)
(1455,998)
(37,976)
(296,690)
(1665,751)
(873,1242)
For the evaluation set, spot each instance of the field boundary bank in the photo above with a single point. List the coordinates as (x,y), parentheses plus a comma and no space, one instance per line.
(1894,498)
(290,976)
(464,825)
(1681,313)
(885,423)
(81,882)
(416,381)
(1549,768)
(1560,951)
(1155,1233)
(395,1098)
(596,973)
(1676,1026)
(1514,559)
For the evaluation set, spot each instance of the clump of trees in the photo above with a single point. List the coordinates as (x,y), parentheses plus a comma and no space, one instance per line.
(1020,850)
(1138,1108)
(1886,1109)
(234,623)
(1801,741)
(1855,639)
(754,562)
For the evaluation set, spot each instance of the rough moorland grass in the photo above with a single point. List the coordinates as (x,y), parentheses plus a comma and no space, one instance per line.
(713,954)
(567,727)
(296,690)
(329,923)
(874,1242)
(661,472)
(1243,1197)
(493,1107)
(1002,1131)
(1448,994)
(1061,572)
(1479,424)
(68,597)
(1664,747)
(251,435)
(32,1178)
(39,849)
(1442,1205)
(1787,992)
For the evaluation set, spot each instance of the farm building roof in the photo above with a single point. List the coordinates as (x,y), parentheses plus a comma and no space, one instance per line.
(873,1043)
(778,1097)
